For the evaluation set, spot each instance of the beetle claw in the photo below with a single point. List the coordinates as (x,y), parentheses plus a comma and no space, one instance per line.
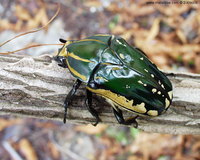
(132,121)
(65,116)
(97,121)
(135,124)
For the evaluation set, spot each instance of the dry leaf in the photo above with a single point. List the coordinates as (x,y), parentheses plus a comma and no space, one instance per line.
(160,60)
(27,149)
(90,129)
(22,13)
(40,18)
(118,29)
(154,145)
(134,158)
(53,150)
(181,36)
(154,30)
(197,63)
(92,3)
(188,57)
(4,123)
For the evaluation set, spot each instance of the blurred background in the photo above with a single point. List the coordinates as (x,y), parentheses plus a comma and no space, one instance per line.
(168,33)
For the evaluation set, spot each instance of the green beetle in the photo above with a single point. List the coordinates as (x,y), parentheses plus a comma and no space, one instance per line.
(122,74)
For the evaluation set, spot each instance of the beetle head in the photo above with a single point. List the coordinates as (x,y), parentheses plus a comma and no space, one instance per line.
(61,61)
(61,57)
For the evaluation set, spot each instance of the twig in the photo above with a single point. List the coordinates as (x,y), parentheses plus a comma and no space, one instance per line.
(37,87)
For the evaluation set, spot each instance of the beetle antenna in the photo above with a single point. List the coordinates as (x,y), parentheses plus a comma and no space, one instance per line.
(31,46)
(36,30)
(62,40)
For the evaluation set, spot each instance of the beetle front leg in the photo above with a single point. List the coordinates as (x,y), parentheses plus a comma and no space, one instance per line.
(88,103)
(120,118)
(70,96)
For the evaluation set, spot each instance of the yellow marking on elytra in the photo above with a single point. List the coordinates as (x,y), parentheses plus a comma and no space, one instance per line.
(127,86)
(115,68)
(142,58)
(170,94)
(154,90)
(110,102)
(152,112)
(122,56)
(121,101)
(146,70)
(159,82)
(159,92)
(121,43)
(162,86)
(70,54)
(102,78)
(140,82)
(140,108)
(75,72)
(166,103)
(152,75)
(106,63)
(83,40)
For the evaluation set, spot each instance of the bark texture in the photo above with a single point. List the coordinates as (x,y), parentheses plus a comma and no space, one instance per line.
(37,87)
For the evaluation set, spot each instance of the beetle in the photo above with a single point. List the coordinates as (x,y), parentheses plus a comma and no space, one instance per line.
(122,74)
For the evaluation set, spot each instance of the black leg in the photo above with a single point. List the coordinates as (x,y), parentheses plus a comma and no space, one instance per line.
(88,103)
(70,96)
(119,116)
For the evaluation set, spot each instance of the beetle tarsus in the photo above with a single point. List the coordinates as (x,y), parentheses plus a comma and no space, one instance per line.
(88,103)
(65,116)
(70,96)
(132,121)
(119,116)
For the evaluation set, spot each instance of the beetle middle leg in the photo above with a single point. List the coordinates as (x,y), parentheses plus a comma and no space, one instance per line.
(70,96)
(88,103)
(120,118)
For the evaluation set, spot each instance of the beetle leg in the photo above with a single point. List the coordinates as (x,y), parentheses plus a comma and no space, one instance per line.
(132,120)
(119,116)
(88,103)
(70,96)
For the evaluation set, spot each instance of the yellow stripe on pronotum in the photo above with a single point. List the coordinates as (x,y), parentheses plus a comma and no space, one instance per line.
(70,54)
(91,40)
(75,72)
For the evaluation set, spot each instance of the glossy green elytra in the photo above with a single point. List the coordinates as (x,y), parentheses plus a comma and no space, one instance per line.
(122,74)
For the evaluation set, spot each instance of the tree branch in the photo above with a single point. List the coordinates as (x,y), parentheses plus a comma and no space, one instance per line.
(37,87)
